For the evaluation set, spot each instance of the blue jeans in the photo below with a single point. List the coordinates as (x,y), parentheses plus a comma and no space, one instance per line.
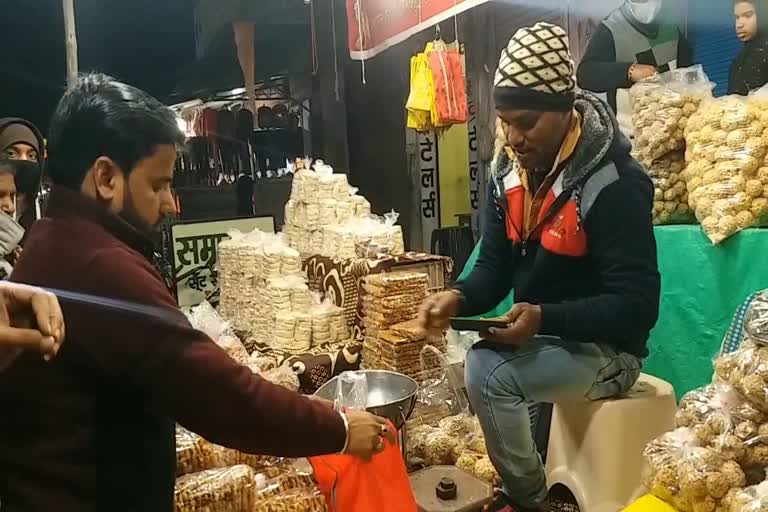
(502,381)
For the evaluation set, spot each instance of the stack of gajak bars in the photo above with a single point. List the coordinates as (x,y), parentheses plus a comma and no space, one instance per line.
(393,338)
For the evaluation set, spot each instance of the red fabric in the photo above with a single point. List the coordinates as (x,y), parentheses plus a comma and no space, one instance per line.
(383,26)
(516,205)
(381,484)
(546,205)
(564,234)
(450,91)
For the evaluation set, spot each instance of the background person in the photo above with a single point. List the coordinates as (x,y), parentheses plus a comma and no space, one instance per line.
(629,45)
(22,142)
(11,233)
(749,71)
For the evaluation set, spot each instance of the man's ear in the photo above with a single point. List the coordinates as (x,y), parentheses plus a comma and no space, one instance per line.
(106,174)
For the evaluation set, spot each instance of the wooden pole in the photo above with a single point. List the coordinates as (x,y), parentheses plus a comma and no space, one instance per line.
(245,33)
(70,39)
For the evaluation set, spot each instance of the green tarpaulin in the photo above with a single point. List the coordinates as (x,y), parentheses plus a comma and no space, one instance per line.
(702,285)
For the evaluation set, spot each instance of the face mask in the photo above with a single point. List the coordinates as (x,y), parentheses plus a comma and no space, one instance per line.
(11,234)
(645,13)
(28,177)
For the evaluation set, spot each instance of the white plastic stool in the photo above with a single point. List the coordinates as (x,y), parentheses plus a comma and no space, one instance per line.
(596,448)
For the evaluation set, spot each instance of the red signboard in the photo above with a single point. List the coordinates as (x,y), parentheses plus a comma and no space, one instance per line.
(375,25)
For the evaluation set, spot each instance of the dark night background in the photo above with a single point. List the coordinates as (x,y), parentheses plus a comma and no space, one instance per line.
(147,43)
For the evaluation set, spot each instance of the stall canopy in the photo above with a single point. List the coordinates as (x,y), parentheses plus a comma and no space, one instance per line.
(240,40)
(279,51)
(375,25)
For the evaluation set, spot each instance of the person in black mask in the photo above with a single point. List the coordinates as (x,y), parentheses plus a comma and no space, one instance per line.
(631,44)
(749,71)
(21,141)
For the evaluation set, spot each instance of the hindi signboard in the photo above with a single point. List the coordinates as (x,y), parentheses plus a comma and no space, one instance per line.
(475,180)
(375,25)
(430,186)
(195,255)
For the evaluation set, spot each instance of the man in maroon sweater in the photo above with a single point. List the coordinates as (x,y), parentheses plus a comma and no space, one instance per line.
(94,430)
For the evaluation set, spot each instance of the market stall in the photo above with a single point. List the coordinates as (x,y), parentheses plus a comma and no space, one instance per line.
(336,290)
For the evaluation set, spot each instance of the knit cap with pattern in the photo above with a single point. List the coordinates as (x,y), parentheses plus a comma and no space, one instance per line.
(536,71)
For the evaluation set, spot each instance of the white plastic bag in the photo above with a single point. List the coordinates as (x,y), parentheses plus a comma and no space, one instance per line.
(351,391)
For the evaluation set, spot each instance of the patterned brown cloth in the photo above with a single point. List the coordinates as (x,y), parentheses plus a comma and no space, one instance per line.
(320,364)
(340,279)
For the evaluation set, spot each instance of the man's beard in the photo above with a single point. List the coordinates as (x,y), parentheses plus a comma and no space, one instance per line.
(132,217)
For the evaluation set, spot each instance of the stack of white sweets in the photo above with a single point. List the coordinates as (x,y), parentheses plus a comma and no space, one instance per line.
(265,295)
(326,216)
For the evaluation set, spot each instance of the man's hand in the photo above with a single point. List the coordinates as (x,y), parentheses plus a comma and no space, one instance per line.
(30,319)
(436,312)
(524,323)
(367,434)
(640,72)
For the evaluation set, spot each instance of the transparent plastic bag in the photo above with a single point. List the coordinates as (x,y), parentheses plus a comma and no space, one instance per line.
(282,376)
(756,320)
(294,500)
(689,477)
(661,108)
(206,319)
(289,480)
(351,391)
(724,421)
(746,370)
(726,172)
(216,490)
(195,454)
(437,398)
(670,194)
(749,499)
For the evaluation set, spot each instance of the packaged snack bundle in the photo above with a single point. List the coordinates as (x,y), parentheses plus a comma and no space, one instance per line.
(456,440)
(726,173)
(689,477)
(746,370)
(195,454)
(205,318)
(362,206)
(721,419)
(756,320)
(670,195)
(750,499)
(216,490)
(661,108)
(282,376)
(345,209)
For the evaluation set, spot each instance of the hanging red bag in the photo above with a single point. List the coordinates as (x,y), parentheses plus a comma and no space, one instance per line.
(352,485)
(447,68)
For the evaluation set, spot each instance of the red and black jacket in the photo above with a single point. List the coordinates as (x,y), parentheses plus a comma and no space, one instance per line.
(590,262)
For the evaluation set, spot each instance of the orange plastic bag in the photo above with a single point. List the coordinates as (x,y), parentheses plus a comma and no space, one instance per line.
(350,484)
(450,100)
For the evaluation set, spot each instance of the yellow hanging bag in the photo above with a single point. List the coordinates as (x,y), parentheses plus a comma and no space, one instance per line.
(421,99)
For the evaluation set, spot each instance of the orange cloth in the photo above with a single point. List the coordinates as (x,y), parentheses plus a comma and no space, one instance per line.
(351,484)
(534,200)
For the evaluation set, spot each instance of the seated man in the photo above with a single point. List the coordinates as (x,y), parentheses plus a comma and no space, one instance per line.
(568,227)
